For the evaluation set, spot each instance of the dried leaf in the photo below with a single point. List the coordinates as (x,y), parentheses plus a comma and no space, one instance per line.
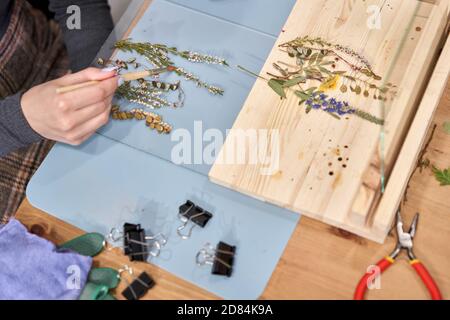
(311,90)
(378,78)
(308,109)
(366,72)
(302,95)
(324,70)
(294,81)
(277,86)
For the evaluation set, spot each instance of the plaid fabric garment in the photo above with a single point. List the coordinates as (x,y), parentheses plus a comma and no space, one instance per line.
(31,52)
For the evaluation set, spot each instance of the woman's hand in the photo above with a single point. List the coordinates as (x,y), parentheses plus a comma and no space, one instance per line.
(70,117)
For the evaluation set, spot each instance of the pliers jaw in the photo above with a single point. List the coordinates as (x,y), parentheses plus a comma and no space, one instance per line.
(405,239)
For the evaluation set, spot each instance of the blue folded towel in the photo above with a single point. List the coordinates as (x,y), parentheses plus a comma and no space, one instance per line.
(32,268)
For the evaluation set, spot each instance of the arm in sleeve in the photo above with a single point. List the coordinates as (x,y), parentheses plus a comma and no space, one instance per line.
(15,132)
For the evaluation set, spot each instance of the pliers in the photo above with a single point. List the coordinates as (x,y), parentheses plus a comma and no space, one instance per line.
(404,242)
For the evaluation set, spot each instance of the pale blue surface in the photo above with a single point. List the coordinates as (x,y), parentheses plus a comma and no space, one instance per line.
(184,28)
(104,184)
(109,180)
(267,16)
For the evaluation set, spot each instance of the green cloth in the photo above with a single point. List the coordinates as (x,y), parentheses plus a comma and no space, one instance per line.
(93,291)
(104,276)
(100,280)
(89,244)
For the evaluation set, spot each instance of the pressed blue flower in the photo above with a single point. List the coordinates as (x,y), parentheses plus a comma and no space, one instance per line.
(328,104)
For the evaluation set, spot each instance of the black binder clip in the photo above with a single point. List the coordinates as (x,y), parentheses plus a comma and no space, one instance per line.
(221,258)
(139,287)
(189,212)
(136,245)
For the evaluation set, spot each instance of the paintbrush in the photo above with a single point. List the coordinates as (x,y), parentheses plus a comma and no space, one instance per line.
(124,77)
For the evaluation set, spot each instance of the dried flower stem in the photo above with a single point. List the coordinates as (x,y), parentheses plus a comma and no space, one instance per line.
(158,55)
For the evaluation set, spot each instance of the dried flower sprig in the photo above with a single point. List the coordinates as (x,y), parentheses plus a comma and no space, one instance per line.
(158,55)
(320,101)
(330,105)
(317,60)
(300,45)
(152,120)
(149,96)
(321,67)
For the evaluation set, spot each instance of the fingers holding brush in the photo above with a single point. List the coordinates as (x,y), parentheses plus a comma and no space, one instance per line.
(70,117)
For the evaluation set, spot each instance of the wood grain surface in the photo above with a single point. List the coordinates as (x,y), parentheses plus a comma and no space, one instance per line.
(320,261)
(310,179)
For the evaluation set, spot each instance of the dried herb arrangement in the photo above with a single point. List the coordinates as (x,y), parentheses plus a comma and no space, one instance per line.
(316,61)
(158,56)
(152,93)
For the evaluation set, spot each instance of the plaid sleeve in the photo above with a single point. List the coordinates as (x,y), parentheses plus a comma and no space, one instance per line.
(15,132)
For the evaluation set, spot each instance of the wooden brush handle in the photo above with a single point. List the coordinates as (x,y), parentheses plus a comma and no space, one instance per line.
(126,77)
(76,86)
(135,75)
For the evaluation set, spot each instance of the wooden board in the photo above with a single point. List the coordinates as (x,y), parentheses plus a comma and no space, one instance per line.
(321,262)
(310,179)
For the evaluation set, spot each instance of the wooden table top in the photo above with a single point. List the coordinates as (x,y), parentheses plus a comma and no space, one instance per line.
(322,262)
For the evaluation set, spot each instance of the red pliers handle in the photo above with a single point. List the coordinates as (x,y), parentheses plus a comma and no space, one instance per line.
(404,243)
(385,264)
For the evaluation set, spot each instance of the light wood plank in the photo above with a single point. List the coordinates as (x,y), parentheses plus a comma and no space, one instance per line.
(418,70)
(408,158)
(308,143)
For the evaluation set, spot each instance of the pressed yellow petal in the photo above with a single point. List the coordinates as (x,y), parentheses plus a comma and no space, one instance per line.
(330,84)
